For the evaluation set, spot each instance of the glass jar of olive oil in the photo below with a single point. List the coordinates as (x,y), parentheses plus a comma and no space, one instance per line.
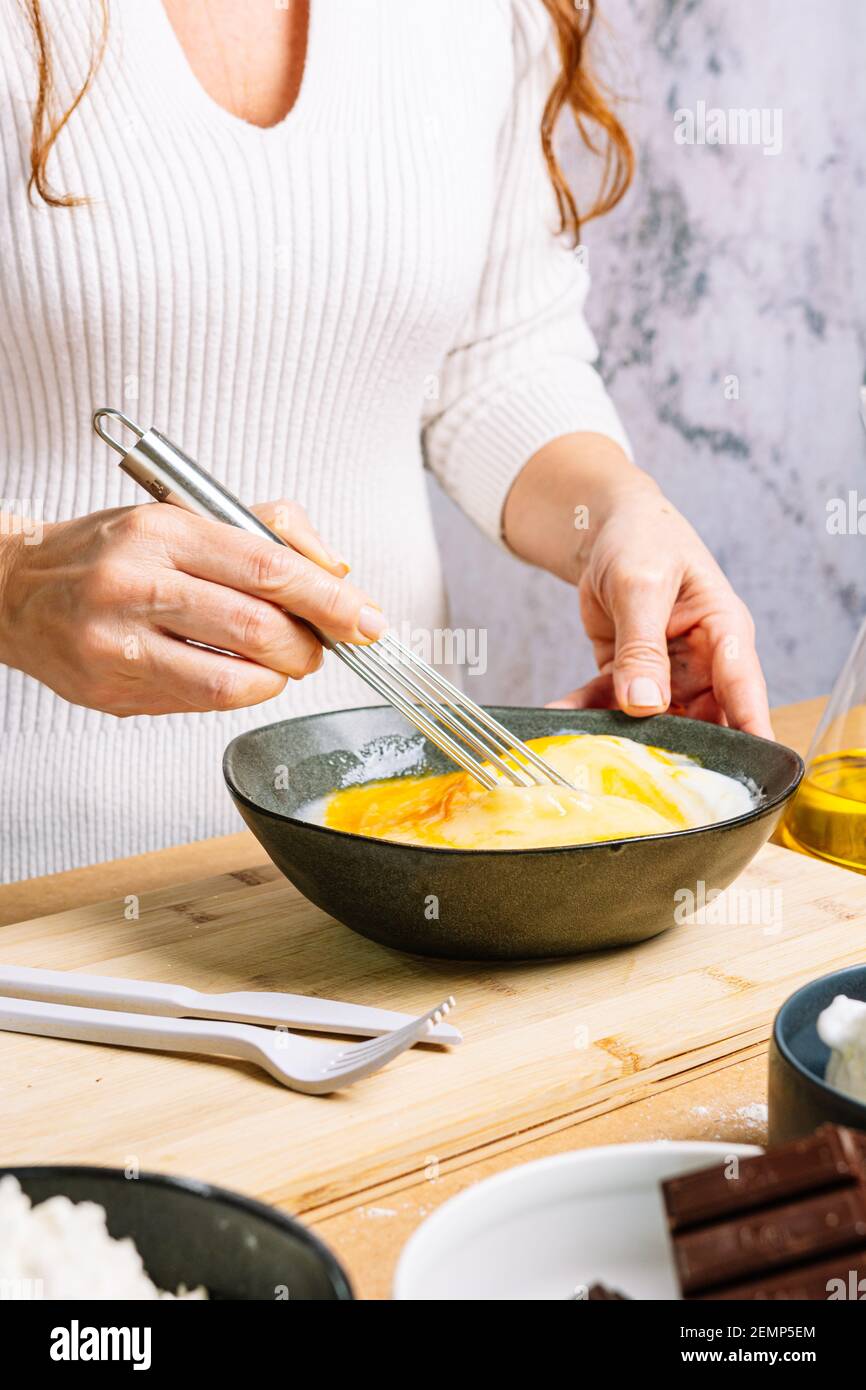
(827,817)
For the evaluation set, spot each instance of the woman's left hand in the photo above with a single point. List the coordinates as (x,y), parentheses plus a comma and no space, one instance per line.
(667,628)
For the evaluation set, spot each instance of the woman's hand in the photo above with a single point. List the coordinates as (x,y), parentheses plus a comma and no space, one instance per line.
(105,608)
(666,626)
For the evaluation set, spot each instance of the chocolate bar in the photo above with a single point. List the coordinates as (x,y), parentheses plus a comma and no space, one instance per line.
(828,1157)
(762,1241)
(780,1225)
(842,1277)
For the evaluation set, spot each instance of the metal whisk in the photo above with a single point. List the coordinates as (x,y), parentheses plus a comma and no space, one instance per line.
(461,729)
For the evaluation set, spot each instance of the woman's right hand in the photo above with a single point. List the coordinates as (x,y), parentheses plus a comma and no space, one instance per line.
(104,608)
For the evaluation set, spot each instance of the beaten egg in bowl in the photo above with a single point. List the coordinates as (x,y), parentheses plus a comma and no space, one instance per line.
(621,789)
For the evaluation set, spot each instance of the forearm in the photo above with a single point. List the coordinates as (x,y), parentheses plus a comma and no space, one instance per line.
(9,547)
(563,496)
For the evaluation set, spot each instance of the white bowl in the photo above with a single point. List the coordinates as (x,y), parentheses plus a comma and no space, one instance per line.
(541,1230)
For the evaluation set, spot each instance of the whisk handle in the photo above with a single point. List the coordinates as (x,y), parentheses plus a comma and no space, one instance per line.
(171,476)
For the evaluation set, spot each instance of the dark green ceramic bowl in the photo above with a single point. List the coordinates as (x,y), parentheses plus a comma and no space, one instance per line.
(799,1099)
(492,904)
(191,1233)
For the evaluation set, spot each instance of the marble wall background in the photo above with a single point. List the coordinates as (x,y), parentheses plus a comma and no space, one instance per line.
(722,261)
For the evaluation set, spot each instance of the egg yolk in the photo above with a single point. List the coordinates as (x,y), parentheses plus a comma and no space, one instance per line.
(619,789)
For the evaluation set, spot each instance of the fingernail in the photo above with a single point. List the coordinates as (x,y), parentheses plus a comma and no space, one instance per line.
(338,562)
(372,622)
(643,693)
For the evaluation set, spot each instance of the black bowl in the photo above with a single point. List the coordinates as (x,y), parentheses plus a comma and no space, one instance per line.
(191,1233)
(799,1099)
(492,904)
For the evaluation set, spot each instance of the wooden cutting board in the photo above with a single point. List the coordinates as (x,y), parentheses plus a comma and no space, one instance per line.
(546,1043)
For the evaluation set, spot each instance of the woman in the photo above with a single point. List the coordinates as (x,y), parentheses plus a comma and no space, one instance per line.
(318,243)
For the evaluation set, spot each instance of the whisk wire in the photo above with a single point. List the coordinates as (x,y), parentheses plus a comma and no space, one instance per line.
(465,728)
(367,672)
(539,770)
(440,710)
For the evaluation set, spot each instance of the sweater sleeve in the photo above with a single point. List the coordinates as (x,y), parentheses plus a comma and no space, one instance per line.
(521,372)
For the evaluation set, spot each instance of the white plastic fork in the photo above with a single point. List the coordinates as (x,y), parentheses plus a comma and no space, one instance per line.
(312,1067)
(306,1012)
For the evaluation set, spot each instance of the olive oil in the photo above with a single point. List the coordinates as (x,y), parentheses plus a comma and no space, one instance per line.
(827,817)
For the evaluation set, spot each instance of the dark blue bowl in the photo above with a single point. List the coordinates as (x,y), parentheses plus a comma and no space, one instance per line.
(494,904)
(188,1232)
(799,1099)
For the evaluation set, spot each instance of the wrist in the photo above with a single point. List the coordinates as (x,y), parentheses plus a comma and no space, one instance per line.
(565,495)
(629,506)
(628,486)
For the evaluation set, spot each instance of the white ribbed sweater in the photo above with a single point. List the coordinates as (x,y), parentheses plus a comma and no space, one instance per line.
(312,311)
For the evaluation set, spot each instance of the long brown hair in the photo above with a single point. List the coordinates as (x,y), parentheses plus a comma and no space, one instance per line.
(47,123)
(575,87)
